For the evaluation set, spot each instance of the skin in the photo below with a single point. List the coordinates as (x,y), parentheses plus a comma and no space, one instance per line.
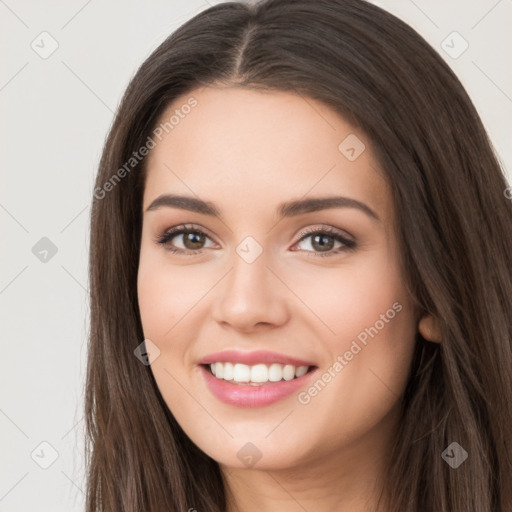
(247,152)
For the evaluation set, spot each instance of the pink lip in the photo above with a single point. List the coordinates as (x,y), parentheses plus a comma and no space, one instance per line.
(252,358)
(242,395)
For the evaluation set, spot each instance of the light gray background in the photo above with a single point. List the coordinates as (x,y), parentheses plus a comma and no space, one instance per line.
(55,113)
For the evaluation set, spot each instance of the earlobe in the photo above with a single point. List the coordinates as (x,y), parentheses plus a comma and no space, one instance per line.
(429,329)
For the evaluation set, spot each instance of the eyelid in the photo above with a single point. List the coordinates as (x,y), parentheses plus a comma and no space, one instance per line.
(179,229)
(324,228)
(347,241)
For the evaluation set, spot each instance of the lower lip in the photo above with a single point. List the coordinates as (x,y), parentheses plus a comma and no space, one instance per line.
(241,395)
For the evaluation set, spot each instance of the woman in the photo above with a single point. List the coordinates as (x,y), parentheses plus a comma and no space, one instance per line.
(300,275)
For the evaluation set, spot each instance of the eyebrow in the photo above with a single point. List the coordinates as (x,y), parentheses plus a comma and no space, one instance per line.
(288,209)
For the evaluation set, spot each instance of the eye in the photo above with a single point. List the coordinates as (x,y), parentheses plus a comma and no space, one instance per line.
(192,239)
(323,240)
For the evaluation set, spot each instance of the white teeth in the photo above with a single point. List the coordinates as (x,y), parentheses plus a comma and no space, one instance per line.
(228,371)
(300,371)
(241,372)
(259,373)
(219,370)
(288,372)
(275,372)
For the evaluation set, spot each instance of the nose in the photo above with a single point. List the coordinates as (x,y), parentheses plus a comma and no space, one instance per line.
(251,296)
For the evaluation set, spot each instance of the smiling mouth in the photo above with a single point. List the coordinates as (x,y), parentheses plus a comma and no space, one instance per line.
(258,374)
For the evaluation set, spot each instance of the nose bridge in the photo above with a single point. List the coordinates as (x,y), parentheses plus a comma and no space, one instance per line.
(248,278)
(248,295)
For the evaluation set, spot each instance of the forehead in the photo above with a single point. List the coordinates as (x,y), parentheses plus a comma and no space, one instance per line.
(262,147)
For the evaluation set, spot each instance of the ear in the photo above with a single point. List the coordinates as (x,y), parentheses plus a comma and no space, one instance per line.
(429,328)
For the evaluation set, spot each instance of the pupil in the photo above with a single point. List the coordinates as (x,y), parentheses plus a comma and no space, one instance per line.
(323,246)
(193,238)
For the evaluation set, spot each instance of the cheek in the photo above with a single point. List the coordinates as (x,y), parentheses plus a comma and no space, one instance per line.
(379,318)
(165,294)
(369,326)
(351,298)
(173,306)
(164,302)
(157,306)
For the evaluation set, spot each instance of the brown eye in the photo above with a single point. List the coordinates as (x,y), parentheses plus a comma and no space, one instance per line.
(192,240)
(323,241)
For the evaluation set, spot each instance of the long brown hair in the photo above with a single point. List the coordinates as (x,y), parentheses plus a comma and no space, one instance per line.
(455,241)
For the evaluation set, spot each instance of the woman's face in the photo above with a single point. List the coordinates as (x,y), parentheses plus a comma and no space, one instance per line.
(256,271)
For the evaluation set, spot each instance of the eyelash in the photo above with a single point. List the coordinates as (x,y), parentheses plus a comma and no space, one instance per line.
(171,233)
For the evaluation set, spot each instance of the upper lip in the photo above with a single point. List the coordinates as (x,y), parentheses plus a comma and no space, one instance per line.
(252,358)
